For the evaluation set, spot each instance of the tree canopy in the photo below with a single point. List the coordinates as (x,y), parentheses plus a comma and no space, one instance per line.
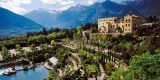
(144,67)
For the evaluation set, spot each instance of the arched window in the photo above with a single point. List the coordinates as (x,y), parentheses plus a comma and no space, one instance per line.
(129,20)
(126,20)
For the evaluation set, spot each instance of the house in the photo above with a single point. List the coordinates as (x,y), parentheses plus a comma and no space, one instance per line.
(116,25)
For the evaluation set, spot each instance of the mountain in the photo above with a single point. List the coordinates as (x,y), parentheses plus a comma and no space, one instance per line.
(145,7)
(13,24)
(80,14)
(128,2)
(149,7)
(43,17)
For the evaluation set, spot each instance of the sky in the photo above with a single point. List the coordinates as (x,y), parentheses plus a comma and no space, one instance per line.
(25,6)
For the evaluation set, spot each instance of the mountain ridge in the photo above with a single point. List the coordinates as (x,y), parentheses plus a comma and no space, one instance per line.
(145,7)
(43,17)
(12,23)
(80,14)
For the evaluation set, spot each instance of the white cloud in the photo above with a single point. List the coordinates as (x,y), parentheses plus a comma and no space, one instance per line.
(61,2)
(15,5)
(67,2)
(65,7)
(90,2)
(17,2)
(20,7)
(50,1)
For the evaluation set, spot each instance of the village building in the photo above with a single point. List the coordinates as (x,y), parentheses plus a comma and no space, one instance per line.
(117,25)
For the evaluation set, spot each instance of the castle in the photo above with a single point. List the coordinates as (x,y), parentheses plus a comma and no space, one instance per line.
(116,25)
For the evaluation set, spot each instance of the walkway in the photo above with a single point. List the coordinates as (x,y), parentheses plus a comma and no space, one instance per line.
(47,66)
(60,72)
(103,75)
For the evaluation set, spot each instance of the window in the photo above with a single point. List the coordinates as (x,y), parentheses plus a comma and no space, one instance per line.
(128,20)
